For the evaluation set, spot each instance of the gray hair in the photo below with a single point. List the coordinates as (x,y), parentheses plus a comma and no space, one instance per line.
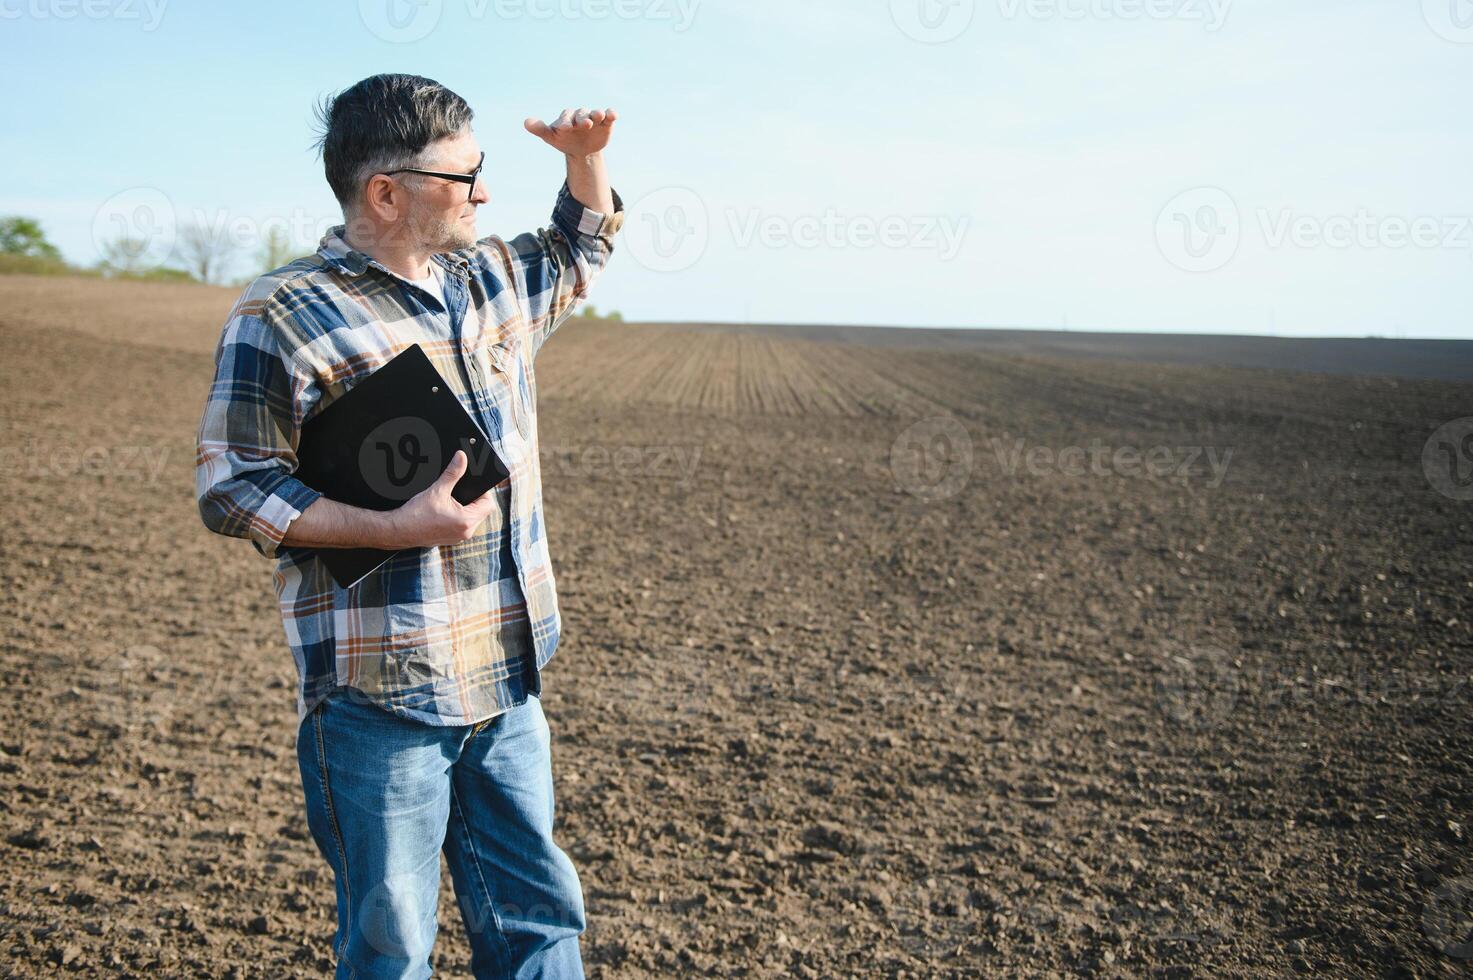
(383,122)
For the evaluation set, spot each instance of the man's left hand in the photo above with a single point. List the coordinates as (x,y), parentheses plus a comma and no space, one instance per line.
(575,132)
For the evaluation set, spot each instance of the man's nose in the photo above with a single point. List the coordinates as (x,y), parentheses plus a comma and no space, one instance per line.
(479,194)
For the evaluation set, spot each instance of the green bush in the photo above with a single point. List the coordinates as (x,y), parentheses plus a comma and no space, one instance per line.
(35,265)
(23,237)
(24,250)
(590,312)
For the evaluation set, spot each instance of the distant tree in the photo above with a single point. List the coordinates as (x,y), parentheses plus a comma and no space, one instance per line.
(591,312)
(276,249)
(204,253)
(123,256)
(23,236)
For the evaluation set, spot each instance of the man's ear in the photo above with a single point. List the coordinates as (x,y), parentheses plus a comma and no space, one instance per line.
(383,199)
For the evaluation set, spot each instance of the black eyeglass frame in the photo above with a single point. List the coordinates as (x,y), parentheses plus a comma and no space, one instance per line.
(469,178)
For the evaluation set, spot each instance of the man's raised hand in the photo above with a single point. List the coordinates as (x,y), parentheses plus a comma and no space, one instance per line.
(576,132)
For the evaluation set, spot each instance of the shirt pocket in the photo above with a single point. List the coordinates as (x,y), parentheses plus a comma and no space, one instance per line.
(508,358)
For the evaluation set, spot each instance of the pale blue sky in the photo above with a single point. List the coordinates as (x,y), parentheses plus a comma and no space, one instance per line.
(1290,166)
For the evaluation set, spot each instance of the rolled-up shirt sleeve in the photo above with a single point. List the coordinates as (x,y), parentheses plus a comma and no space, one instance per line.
(247,440)
(554,266)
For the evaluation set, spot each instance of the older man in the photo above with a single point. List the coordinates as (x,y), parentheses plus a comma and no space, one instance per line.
(420,727)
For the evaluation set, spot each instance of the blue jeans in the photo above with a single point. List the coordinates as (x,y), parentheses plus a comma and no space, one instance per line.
(386,794)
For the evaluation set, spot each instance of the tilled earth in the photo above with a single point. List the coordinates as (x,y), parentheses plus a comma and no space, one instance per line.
(876,662)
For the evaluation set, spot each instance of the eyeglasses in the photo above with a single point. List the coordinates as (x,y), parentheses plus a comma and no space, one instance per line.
(469,178)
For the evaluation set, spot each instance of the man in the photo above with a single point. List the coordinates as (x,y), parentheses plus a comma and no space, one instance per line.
(420,719)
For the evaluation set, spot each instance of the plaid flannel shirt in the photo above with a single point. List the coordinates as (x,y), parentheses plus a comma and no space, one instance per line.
(446,635)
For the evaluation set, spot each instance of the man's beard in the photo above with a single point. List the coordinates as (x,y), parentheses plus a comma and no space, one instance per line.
(436,233)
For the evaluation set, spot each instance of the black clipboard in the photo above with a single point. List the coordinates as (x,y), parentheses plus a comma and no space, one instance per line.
(386,439)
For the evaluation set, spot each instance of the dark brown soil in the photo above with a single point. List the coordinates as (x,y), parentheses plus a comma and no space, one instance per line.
(837,694)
